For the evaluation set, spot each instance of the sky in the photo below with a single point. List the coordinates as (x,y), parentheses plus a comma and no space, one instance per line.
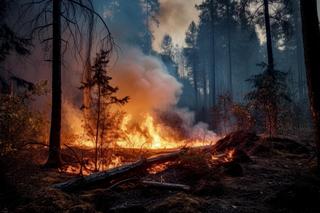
(175,17)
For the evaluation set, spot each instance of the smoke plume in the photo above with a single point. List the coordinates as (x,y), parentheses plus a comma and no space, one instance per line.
(145,80)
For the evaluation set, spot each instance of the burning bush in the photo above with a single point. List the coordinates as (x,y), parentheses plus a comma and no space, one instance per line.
(101,118)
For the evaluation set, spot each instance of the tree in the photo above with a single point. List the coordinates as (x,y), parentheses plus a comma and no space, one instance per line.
(190,53)
(269,96)
(9,40)
(208,14)
(271,15)
(167,46)
(65,18)
(268,34)
(167,55)
(104,95)
(311,40)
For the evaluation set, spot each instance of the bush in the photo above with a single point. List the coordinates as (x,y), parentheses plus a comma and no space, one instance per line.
(19,124)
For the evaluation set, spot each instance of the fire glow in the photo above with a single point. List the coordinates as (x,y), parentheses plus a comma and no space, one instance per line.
(150,135)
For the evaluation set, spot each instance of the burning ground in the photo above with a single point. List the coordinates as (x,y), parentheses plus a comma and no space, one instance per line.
(242,172)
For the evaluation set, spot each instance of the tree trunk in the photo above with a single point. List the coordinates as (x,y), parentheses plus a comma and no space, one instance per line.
(229,48)
(195,81)
(97,128)
(213,73)
(124,171)
(54,158)
(86,77)
(299,50)
(311,39)
(268,35)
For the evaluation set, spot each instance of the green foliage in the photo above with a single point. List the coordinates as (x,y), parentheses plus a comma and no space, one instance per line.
(269,96)
(19,123)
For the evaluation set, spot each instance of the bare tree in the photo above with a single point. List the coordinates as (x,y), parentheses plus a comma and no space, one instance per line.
(68,18)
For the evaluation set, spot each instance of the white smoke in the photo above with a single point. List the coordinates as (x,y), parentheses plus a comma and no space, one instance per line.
(146,81)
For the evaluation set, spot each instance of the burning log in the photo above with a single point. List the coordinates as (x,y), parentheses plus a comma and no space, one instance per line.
(115,173)
(173,186)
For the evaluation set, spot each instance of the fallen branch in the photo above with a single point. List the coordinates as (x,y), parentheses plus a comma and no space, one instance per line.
(173,186)
(105,177)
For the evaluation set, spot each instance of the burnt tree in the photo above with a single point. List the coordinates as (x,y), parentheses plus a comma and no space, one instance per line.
(311,40)
(66,16)
(54,158)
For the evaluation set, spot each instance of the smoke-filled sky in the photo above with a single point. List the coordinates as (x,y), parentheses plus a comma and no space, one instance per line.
(175,17)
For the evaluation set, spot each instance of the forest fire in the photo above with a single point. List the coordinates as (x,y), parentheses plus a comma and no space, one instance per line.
(151,135)
(148,134)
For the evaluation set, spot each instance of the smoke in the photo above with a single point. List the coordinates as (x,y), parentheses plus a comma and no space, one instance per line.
(174,17)
(146,81)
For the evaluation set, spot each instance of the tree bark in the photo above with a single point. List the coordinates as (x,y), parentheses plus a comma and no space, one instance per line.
(268,35)
(311,40)
(299,50)
(229,48)
(103,178)
(172,186)
(54,158)
(213,73)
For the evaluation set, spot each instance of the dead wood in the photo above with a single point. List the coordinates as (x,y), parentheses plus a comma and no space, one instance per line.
(105,177)
(173,186)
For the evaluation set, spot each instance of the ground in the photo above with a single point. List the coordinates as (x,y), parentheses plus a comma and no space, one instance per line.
(276,176)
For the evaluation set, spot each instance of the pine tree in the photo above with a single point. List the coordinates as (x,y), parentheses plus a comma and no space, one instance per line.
(104,97)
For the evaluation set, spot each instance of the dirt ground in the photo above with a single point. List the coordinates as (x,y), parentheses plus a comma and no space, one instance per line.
(276,176)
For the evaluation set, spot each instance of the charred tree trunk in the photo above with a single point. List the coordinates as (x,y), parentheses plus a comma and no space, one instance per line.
(311,39)
(97,128)
(268,35)
(229,48)
(299,50)
(195,80)
(118,173)
(213,43)
(273,117)
(86,77)
(54,158)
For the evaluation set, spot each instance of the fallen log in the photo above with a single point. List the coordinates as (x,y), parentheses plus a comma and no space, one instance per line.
(173,186)
(105,177)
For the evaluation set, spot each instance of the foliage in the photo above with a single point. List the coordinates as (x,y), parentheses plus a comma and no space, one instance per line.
(9,40)
(243,118)
(229,116)
(269,96)
(103,119)
(167,46)
(19,123)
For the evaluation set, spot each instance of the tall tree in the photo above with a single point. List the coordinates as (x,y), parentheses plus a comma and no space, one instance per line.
(105,96)
(54,158)
(311,39)
(65,18)
(167,46)
(268,35)
(229,4)
(191,54)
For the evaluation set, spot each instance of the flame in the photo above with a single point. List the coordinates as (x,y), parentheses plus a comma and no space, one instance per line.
(145,133)
(153,135)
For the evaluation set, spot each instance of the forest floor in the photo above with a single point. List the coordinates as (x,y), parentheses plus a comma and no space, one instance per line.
(277,177)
